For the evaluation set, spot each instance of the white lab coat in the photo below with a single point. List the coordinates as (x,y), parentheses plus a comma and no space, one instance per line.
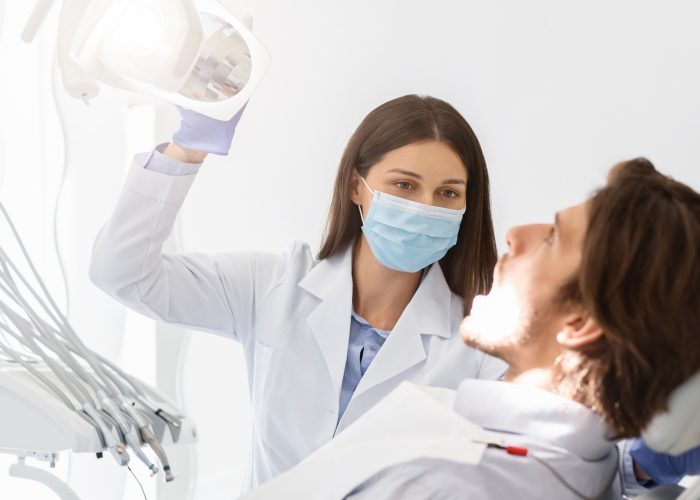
(291,314)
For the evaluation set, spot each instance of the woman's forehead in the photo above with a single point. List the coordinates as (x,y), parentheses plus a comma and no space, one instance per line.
(426,159)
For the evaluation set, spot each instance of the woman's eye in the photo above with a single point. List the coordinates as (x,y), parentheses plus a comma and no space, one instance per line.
(449,193)
(403,185)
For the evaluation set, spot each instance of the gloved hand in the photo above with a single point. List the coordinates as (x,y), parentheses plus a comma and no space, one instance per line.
(665,469)
(206,134)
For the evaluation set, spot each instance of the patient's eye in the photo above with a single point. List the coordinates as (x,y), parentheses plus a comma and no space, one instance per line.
(549,239)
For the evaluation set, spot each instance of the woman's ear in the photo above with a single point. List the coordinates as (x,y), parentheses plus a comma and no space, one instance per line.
(355,188)
(580,332)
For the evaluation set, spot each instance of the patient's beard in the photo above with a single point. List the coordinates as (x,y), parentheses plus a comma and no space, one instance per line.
(502,326)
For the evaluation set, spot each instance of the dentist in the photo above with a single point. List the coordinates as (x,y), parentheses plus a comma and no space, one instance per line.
(408,244)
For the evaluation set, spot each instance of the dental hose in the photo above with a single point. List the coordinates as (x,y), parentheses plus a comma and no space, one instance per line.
(101,407)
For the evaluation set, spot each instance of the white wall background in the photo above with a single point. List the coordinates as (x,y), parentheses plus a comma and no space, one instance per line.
(556,91)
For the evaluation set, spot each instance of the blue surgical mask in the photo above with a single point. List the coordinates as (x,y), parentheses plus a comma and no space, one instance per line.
(408,236)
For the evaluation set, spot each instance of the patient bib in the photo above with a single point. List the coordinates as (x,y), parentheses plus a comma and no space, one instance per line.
(411,422)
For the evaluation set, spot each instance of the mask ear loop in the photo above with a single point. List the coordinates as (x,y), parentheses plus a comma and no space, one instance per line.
(367,185)
(359,207)
(362,218)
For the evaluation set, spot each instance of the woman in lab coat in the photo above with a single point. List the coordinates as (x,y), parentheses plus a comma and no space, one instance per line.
(408,244)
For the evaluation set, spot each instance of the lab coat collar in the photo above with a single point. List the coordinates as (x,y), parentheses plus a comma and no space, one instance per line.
(428,313)
(331,282)
(326,276)
(432,304)
(520,409)
(432,300)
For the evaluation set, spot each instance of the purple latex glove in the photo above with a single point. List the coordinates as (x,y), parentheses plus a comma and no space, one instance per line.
(665,469)
(206,134)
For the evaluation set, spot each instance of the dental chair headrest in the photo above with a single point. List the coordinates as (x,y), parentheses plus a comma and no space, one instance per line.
(677,430)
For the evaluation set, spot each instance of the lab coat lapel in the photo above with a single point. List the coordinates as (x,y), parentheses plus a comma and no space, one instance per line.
(329,322)
(428,313)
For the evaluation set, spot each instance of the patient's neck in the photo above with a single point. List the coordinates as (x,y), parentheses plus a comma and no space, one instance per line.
(540,377)
(533,363)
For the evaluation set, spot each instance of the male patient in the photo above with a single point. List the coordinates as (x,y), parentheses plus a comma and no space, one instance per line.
(598,318)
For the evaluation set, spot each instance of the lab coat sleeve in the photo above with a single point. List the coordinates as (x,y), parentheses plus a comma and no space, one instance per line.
(166,165)
(215,293)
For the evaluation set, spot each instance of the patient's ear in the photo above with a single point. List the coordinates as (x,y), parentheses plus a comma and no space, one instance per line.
(579,332)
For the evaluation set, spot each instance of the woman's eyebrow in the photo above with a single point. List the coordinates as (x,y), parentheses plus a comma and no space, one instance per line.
(417,176)
(405,172)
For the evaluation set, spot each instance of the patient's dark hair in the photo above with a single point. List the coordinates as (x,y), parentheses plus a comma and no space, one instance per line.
(640,279)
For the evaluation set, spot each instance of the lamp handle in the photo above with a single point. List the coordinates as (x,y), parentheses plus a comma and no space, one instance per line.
(36,19)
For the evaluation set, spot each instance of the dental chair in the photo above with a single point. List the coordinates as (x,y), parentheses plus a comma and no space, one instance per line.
(675,432)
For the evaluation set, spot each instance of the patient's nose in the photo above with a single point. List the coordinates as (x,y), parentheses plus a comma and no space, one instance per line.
(514,239)
(522,238)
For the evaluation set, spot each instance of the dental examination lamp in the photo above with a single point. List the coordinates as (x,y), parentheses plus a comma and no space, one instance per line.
(674,432)
(192,53)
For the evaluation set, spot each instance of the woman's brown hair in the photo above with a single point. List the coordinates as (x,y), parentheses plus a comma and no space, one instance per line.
(640,279)
(468,266)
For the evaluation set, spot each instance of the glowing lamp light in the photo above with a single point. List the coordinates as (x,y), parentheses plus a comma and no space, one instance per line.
(191,53)
(151,41)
